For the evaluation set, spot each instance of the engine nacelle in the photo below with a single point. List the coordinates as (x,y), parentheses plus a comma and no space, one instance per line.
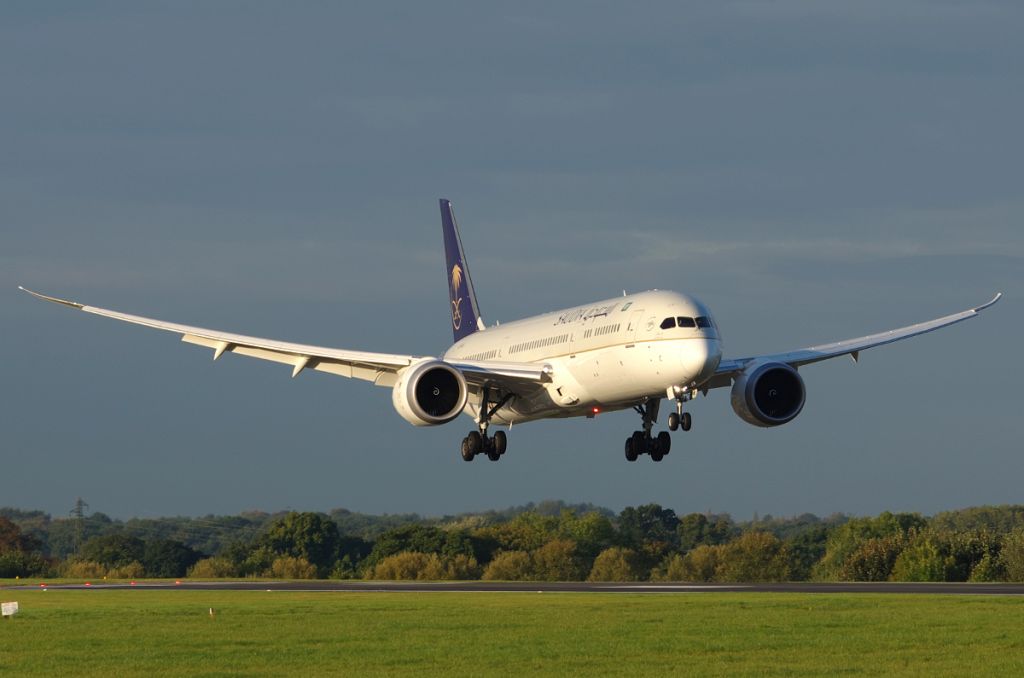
(429,393)
(768,394)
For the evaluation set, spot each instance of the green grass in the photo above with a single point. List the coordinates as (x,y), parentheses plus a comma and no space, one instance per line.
(138,632)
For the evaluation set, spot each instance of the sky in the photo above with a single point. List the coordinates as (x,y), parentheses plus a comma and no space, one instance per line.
(813,171)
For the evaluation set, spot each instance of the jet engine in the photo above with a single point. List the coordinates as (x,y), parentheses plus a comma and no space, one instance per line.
(768,394)
(429,393)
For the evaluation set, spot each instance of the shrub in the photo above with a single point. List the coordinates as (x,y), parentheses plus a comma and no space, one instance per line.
(873,560)
(133,570)
(1011,556)
(82,569)
(557,561)
(292,567)
(922,560)
(21,564)
(404,565)
(461,567)
(616,564)
(510,566)
(753,556)
(213,568)
(697,565)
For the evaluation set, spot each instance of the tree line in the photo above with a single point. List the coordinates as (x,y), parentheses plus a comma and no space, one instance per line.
(551,541)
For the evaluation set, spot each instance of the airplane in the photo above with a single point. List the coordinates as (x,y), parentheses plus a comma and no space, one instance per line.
(627,352)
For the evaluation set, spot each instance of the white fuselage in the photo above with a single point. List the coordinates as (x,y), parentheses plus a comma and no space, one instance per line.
(605,355)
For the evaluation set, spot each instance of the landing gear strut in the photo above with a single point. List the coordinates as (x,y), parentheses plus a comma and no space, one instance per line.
(680,419)
(642,442)
(478,442)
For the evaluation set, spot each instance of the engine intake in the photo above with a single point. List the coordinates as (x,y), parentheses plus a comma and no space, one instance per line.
(768,394)
(429,393)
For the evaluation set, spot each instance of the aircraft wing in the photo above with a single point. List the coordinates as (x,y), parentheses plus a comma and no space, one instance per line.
(379,368)
(729,368)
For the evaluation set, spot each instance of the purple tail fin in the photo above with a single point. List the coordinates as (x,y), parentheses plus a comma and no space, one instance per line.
(464,310)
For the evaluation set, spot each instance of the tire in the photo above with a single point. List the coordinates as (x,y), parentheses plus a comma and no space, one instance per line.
(500,442)
(467,454)
(664,443)
(493,456)
(656,455)
(630,450)
(639,443)
(475,442)
(687,421)
(673,421)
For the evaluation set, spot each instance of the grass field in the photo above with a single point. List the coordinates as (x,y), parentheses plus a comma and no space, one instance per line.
(136,632)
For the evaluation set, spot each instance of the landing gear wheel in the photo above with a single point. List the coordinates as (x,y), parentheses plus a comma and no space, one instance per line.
(663,443)
(673,421)
(687,421)
(630,450)
(474,445)
(467,452)
(656,454)
(500,442)
(639,442)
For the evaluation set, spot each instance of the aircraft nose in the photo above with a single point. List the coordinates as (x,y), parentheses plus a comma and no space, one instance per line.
(701,358)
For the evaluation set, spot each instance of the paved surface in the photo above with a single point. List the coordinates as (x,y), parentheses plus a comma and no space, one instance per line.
(531,587)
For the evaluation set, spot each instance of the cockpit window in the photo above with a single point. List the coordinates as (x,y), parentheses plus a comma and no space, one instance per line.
(668,323)
(703,322)
(686,322)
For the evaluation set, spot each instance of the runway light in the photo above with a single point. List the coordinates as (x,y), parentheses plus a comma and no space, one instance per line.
(88,584)
(177,582)
(42,584)
(597,410)
(133,583)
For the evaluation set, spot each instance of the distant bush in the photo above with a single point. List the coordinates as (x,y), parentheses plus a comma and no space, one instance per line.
(405,565)
(697,565)
(1011,556)
(292,567)
(213,568)
(21,564)
(461,567)
(616,564)
(874,559)
(753,556)
(82,569)
(557,561)
(133,570)
(510,566)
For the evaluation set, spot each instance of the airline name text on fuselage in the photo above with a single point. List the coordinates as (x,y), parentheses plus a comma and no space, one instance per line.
(581,314)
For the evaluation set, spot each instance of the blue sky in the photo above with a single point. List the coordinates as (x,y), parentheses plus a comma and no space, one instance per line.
(812,171)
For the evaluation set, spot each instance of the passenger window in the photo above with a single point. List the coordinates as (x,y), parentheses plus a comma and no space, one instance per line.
(668,323)
(686,322)
(703,322)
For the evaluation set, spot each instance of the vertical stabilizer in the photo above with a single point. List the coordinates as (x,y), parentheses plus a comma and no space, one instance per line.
(465,312)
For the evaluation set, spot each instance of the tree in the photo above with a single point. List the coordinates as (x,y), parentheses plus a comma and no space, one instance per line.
(13,539)
(695,529)
(510,566)
(292,567)
(304,535)
(848,539)
(168,558)
(753,557)
(650,531)
(114,550)
(557,561)
(617,564)
(873,559)
(1011,555)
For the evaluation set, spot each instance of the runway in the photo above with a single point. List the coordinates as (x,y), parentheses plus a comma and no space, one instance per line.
(546,587)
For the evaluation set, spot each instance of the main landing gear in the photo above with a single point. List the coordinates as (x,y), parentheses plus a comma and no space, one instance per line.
(643,442)
(478,442)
